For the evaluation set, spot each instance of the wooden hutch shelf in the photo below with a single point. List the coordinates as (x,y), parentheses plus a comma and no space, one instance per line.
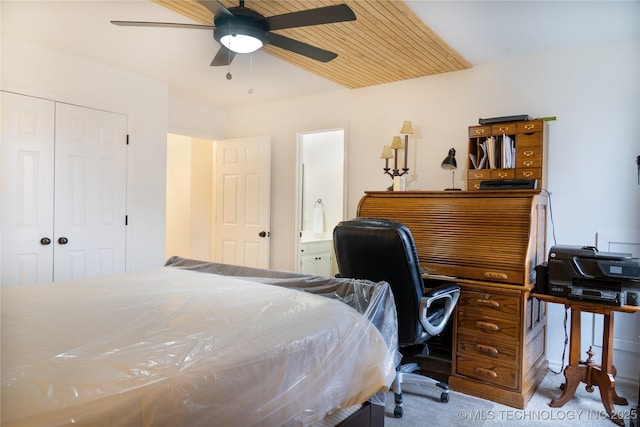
(515,150)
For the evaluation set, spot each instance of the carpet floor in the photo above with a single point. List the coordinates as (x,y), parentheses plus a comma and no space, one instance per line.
(422,408)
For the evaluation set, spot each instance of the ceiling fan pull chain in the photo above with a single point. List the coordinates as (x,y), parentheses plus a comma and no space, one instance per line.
(250,74)
(229,76)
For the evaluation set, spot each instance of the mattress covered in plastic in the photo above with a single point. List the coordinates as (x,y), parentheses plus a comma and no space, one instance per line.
(194,344)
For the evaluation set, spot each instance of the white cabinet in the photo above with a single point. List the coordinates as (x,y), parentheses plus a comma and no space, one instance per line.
(315,257)
(63,191)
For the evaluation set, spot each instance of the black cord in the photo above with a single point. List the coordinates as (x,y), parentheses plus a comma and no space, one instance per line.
(566,342)
(566,310)
(553,225)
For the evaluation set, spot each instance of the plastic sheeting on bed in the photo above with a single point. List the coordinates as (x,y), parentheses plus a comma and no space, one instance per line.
(194,344)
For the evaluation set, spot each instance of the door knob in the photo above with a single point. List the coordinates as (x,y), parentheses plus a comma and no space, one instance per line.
(45,241)
(63,240)
(263,234)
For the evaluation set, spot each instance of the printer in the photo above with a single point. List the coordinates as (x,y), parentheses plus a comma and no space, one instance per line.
(583,273)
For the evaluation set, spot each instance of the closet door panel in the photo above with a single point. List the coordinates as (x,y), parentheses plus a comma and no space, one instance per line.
(27,189)
(90,193)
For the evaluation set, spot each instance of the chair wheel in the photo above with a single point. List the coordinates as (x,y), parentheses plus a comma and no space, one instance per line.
(397,412)
(444,397)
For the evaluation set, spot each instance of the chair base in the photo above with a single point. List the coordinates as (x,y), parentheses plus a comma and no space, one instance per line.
(405,374)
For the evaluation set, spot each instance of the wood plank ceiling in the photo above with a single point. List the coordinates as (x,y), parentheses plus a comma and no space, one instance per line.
(386,43)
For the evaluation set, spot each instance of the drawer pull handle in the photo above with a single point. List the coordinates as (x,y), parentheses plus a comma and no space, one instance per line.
(486,372)
(486,326)
(490,303)
(503,128)
(478,175)
(495,274)
(529,127)
(479,131)
(487,349)
(528,153)
(527,174)
(527,163)
(502,174)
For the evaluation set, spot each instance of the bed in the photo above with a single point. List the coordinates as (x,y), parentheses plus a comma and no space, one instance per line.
(196,344)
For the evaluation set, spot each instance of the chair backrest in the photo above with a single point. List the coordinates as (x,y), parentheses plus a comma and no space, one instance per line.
(384,250)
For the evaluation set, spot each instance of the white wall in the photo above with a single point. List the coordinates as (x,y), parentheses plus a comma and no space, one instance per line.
(189,196)
(178,196)
(36,71)
(196,119)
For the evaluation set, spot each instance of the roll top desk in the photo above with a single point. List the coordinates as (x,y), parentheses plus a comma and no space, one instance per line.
(488,242)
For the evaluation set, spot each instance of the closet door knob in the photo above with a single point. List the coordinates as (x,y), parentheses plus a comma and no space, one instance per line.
(45,241)
(63,240)
(262,234)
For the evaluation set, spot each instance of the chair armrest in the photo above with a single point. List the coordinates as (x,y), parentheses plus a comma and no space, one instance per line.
(441,289)
(447,295)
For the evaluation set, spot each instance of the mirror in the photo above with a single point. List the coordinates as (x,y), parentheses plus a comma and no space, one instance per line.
(320,200)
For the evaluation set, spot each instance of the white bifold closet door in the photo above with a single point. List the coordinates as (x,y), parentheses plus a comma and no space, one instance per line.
(63,191)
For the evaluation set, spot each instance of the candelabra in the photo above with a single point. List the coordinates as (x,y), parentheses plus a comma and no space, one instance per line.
(391,152)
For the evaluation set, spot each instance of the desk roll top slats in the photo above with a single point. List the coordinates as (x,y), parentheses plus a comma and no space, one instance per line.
(477,235)
(489,243)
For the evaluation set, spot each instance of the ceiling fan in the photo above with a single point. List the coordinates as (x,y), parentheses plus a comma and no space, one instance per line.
(242,30)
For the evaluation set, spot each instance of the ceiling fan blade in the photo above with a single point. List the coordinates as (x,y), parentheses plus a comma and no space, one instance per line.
(223,57)
(215,7)
(162,25)
(300,48)
(318,16)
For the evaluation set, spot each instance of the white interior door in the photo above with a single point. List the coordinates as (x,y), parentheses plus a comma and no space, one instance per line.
(90,196)
(27,189)
(243,194)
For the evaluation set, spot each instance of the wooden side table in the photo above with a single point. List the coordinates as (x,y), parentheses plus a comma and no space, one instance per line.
(603,375)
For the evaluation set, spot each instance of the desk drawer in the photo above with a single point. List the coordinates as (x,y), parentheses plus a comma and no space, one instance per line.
(524,141)
(502,173)
(491,303)
(478,347)
(531,126)
(473,184)
(505,375)
(488,328)
(477,131)
(529,173)
(480,174)
(503,128)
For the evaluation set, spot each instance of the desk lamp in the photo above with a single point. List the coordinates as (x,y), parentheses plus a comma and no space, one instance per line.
(449,163)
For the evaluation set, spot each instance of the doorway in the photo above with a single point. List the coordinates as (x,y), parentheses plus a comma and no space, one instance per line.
(218,199)
(320,198)
(189,197)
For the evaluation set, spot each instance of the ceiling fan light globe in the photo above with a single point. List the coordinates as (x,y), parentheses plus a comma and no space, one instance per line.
(241,43)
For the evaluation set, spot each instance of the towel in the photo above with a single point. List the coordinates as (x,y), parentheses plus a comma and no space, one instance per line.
(318,219)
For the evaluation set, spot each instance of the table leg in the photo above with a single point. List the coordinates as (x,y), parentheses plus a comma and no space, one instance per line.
(605,374)
(606,385)
(602,376)
(574,374)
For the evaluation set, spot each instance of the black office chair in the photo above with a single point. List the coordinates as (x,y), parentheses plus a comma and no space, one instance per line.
(384,250)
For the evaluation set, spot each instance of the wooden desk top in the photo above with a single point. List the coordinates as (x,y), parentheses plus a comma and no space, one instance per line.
(586,306)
